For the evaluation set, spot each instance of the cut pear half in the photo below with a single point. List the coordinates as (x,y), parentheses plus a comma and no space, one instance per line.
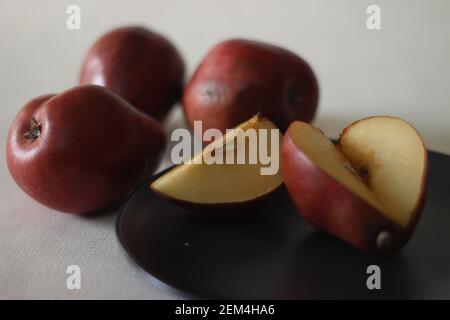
(239,178)
(369,189)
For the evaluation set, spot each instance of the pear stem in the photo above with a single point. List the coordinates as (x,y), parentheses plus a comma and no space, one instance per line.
(34,132)
(385,241)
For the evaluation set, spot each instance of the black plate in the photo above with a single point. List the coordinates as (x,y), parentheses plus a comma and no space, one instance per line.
(274,254)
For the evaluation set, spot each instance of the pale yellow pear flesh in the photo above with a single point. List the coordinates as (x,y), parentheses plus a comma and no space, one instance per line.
(221,183)
(391,157)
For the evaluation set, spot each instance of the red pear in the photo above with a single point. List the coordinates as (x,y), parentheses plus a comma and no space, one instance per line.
(239,78)
(82,150)
(141,66)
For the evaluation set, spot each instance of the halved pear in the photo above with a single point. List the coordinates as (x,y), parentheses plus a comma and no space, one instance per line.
(369,190)
(197,184)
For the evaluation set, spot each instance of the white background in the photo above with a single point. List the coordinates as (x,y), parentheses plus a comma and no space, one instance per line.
(402,70)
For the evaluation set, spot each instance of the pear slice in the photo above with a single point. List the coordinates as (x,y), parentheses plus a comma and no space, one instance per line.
(369,190)
(198,183)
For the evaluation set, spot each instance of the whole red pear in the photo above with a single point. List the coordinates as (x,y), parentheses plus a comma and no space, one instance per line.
(82,150)
(239,78)
(141,66)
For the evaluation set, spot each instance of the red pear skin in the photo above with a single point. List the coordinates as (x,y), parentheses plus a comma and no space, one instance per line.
(331,207)
(82,150)
(239,78)
(141,66)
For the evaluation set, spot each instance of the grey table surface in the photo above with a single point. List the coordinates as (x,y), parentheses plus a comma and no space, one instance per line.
(402,70)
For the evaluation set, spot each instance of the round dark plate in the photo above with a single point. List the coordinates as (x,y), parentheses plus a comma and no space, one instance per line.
(272,253)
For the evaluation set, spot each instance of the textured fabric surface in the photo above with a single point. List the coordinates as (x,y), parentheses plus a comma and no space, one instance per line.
(402,69)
